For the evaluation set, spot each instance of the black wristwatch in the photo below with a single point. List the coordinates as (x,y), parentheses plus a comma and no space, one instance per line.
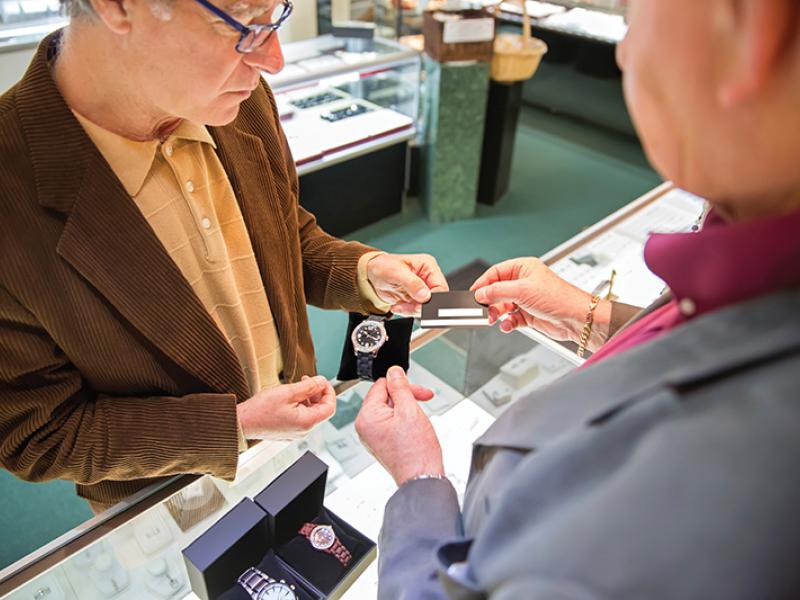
(368,337)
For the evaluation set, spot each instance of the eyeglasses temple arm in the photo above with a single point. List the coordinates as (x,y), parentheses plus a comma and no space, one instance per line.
(224,16)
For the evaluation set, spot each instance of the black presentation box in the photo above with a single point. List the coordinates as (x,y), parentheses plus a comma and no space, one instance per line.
(296,497)
(230,546)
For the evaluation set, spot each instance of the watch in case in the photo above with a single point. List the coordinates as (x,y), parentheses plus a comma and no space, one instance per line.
(324,539)
(261,586)
(368,337)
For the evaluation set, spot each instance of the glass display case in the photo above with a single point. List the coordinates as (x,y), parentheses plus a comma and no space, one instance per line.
(475,375)
(343,97)
(134,550)
(24,22)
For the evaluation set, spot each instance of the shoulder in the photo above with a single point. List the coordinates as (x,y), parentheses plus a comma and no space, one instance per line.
(19,209)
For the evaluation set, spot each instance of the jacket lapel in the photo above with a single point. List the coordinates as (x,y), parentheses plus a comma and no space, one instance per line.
(109,242)
(709,346)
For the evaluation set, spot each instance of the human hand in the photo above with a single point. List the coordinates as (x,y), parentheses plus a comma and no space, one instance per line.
(405,280)
(396,431)
(287,411)
(532,295)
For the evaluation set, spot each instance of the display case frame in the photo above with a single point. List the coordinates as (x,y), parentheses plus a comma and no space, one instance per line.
(471,372)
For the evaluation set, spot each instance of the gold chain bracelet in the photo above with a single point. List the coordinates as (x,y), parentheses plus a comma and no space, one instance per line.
(587,327)
(589,322)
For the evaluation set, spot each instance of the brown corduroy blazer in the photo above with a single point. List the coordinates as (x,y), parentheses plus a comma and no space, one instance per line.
(111,371)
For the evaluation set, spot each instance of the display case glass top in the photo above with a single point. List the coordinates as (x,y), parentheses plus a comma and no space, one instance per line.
(341,97)
(326,56)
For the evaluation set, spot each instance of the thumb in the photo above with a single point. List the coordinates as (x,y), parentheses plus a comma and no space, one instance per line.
(305,389)
(399,389)
(413,285)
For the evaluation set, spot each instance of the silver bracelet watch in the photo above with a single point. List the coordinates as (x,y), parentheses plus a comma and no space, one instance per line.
(261,586)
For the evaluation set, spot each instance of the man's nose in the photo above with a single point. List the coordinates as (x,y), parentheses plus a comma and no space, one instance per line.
(268,57)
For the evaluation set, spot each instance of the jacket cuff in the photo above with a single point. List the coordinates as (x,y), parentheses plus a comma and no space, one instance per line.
(365,288)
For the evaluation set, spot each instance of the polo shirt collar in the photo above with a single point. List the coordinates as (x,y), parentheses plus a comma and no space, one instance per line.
(132,160)
(725,263)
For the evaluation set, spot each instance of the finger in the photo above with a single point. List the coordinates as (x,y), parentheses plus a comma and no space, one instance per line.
(325,389)
(502,291)
(377,396)
(512,322)
(433,276)
(411,284)
(399,389)
(307,388)
(499,272)
(498,310)
(319,411)
(421,393)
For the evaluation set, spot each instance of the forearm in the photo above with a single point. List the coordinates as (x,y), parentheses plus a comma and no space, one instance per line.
(88,439)
(418,517)
(330,267)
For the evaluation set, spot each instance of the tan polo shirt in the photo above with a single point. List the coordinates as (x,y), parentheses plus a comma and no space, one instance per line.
(184,193)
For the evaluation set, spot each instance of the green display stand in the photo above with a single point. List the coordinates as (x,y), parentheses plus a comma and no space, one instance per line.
(455,109)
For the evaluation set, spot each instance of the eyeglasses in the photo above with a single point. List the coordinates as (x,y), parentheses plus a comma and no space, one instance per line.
(251,37)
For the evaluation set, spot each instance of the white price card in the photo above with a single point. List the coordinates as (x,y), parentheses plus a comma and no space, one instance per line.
(468,30)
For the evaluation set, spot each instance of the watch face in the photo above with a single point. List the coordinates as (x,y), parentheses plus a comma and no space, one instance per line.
(369,336)
(322,537)
(277,591)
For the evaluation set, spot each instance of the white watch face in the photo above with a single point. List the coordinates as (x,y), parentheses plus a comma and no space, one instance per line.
(277,591)
(368,336)
(322,537)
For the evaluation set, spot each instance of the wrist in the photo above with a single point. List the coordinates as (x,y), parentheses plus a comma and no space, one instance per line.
(429,470)
(601,325)
(243,419)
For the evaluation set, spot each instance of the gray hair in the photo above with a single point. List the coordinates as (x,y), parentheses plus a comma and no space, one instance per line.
(83,9)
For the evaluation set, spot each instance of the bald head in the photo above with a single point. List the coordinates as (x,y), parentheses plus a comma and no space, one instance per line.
(713,88)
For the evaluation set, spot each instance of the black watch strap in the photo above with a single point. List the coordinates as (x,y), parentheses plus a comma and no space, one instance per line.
(364,362)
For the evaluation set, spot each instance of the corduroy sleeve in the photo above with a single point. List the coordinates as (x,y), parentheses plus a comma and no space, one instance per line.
(54,426)
(330,265)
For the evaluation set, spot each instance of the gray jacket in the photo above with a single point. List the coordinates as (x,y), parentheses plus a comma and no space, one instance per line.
(669,471)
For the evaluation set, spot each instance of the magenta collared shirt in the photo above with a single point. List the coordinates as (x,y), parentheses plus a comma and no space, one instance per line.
(722,264)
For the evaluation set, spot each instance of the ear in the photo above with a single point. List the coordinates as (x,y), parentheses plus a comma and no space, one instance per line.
(760,32)
(114,14)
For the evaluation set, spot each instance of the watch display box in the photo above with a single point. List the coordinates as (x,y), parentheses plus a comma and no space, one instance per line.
(294,502)
(266,534)
(237,541)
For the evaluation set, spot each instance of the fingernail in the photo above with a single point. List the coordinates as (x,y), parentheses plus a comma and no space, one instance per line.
(395,373)
(480,295)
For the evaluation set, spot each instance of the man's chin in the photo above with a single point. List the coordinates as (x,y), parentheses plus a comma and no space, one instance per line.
(223,116)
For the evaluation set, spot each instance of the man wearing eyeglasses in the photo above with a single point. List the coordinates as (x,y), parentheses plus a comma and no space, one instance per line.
(156,263)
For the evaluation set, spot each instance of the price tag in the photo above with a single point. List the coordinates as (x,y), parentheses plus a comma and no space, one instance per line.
(468,30)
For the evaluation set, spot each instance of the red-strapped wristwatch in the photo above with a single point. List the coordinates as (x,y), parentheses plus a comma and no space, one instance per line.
(323,538)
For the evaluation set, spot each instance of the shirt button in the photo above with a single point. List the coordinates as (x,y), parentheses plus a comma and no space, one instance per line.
(687,307)
(206,223)
(189,186)
(168,150)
